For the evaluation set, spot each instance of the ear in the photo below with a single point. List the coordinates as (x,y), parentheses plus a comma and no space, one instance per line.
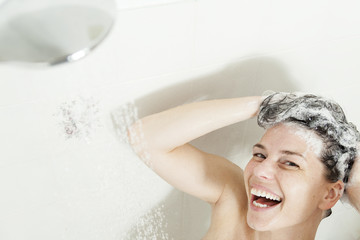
(333,193)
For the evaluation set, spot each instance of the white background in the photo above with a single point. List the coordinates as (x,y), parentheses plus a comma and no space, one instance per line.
(57,188)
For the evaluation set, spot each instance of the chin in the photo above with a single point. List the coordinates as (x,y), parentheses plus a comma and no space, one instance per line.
(261,225)
(259,228)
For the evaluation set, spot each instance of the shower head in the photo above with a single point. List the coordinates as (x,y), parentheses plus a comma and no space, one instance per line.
(52,32)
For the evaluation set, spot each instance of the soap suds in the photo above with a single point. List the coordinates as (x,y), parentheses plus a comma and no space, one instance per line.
(322,116)
(312,140)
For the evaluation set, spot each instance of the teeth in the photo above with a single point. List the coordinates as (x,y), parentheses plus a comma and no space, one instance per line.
(264,194)
(260,205)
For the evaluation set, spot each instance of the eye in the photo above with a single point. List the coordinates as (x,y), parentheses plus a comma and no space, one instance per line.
(291,164)
(259,155)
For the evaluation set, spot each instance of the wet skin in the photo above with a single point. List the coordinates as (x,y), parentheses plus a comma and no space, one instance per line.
(283,167)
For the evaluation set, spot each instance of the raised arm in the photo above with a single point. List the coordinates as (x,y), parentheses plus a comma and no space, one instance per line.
(353,188)
(164,144)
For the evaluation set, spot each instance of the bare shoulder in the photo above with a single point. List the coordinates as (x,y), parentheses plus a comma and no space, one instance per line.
(232,178)
(201,174)
(234,192)
(228,219)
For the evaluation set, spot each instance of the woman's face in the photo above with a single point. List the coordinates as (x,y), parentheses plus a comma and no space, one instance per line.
(285,166)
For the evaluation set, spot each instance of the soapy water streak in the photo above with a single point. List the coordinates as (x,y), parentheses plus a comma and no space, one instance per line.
(129,129)
(79,117)
(150,226)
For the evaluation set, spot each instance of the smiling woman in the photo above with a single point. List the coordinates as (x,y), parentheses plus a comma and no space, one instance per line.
(298,171)
(284,164)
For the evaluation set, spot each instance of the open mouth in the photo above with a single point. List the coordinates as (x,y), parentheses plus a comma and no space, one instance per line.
(262,199)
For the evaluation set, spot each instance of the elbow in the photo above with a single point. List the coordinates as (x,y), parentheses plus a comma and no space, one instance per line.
(132,134)
(135,139)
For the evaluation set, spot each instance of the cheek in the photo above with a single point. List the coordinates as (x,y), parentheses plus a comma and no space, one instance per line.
(296,181)
(249,168)
(294,185)
(303,192)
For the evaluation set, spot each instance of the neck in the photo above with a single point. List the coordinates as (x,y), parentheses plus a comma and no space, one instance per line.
(302,231)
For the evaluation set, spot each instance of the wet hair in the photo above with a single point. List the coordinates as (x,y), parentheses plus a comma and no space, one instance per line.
(324,117)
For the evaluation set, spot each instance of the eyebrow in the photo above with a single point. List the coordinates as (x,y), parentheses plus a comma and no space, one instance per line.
(286,152)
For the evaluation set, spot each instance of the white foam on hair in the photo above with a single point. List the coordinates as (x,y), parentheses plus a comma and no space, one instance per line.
(312,140)
(342,134)
(341,165)
(354,178)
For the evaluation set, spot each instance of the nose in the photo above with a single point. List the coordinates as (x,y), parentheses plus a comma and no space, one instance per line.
(265,170)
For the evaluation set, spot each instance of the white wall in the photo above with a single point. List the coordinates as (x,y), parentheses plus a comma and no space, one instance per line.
(90,186)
